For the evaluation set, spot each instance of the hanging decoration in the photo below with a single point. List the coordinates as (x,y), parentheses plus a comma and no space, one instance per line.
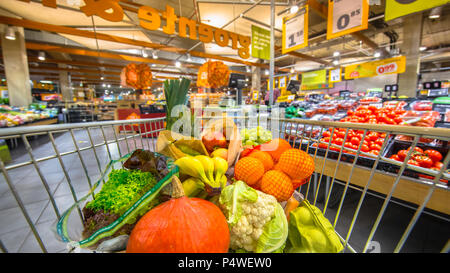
(137,76)
(213,74)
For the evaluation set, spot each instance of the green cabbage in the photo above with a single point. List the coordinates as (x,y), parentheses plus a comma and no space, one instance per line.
(311,232)
(274,233)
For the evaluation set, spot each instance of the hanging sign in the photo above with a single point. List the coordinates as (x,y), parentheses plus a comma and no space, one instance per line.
(293,77)
(314,77)
(295,31)
(394,65)
(335,75)
(399,8)
(151,19)
(346,16)
(260,43)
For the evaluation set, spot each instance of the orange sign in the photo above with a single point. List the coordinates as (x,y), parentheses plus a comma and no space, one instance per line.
(150,19)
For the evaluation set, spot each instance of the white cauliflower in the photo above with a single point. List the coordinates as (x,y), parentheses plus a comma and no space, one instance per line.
(248,211)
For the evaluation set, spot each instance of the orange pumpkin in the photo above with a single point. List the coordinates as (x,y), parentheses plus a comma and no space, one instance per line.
(181,225)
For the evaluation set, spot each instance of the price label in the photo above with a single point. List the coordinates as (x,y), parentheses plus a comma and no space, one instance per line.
(335,75)
(295,31)
(346,16)
(387,68)
(282,82)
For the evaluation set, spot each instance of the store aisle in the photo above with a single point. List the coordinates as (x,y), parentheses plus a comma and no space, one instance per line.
(15,233)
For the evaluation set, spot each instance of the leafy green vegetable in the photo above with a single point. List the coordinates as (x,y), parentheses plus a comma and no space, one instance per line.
(233,196)
(122,190)
(274,233)
(311,232)
(175,92)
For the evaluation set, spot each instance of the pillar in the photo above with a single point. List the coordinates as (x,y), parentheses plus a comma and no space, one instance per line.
(256,80)
(64,85)
(17,74)
(412,31)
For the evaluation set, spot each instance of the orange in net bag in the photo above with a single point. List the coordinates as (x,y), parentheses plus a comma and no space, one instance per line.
(277,184)
(296,163)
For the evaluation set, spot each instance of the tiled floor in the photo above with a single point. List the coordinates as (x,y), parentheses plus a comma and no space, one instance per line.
(429,235)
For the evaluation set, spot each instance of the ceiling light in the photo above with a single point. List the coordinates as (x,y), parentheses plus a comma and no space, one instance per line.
(422,48)
(435,13)
(292,70)
(336,62)
(377,54)
(294,9)
(155,56)
(144,53)
(109,85)
(104,85)
(41,55)
(102,78)
(177,64)
(336,53)
(266,72)
(10,34)
(189,59)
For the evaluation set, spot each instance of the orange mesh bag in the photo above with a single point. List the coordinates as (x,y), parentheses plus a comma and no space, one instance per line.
(249,170)
(265,158)
(277,184)
(275,148)
(296,163)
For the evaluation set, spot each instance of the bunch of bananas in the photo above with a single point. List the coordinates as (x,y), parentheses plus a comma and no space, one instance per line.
(203,170)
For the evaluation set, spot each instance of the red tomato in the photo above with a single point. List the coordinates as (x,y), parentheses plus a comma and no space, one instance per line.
(350,113)
(424,161)
(413,162)
(437,165)
(417,149)
(375,147)
(402,154)
(434,155)
(398,120)
(338,141)
(389,121)
(374,152)
(326,134)
(379,141)
(372,136)
(341,134)
(395,157)
(382,135)
(355,140)
(365,148)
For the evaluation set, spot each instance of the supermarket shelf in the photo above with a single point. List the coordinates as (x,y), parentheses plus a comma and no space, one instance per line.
(406,189)
(46,121)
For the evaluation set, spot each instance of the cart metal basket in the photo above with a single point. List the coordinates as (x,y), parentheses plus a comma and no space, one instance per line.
(372,208)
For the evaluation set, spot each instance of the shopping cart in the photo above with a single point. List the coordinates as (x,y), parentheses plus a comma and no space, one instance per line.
(346,187)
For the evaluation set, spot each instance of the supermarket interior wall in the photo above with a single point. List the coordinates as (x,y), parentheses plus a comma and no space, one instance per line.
(436,76)
(362,84)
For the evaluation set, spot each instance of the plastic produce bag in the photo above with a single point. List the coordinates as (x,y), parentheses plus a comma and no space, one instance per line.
(311,232)
(69,228)
(176,146)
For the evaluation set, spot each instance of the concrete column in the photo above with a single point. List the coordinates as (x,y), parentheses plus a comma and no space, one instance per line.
(15,61)
(64,85)
(256,78)
(412,31)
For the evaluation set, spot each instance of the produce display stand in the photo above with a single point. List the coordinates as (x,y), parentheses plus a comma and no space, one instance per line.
(430,198)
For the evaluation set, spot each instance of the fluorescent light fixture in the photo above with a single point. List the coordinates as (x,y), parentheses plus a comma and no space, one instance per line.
(422,48)
(49,82)
(336,53)
(294,9)
(144,53)
(435,13)
(177,64)
(155,56)
(41,55)
(10,34)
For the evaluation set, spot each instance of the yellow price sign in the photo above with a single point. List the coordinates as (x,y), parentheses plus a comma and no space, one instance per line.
(394,65)
(346,16)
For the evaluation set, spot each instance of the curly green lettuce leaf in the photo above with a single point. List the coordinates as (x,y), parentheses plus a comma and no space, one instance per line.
(232,196)
(274,234)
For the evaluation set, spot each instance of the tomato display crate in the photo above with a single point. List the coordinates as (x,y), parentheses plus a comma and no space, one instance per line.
(396,145)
